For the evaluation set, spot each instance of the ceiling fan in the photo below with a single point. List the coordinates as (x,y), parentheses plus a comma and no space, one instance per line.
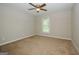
(38,7)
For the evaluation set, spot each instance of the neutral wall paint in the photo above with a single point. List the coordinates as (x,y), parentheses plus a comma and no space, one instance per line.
(75,26)
(60,25)
(16,24)
(0,24)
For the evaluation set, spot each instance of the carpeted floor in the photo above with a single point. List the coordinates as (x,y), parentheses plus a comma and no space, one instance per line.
(39,45)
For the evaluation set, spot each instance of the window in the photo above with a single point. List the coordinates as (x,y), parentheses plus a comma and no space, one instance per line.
(45,25)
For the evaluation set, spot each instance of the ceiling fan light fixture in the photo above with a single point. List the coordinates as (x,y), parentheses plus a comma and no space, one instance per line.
(37,9)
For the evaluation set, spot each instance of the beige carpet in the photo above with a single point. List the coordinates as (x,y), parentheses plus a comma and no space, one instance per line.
(39,45)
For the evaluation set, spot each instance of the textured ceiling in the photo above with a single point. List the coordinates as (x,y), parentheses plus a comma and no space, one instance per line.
(51,7)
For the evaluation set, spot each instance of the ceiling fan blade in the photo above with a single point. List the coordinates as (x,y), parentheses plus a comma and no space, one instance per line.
(44,9)
(32,5)
(31,8)
(43,5)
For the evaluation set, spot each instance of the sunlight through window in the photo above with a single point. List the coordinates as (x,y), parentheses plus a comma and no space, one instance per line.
(45,25)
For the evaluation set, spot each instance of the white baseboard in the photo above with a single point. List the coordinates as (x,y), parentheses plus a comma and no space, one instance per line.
(30,36)
(57,37)
(62,38)
(15,40)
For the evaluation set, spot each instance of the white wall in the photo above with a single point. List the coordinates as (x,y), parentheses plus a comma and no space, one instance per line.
(0,24)
(75,26)
(16,24)
(60,25)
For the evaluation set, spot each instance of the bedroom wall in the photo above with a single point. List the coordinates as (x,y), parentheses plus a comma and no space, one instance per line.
(0,24)
(16,24)
(60,24)
(75,26)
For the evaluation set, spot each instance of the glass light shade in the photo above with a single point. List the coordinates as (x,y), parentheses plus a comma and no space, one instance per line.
(38,9)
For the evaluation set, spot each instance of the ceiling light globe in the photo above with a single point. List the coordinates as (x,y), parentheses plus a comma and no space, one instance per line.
(38,9)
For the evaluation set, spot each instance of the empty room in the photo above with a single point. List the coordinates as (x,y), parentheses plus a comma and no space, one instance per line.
(39,28)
